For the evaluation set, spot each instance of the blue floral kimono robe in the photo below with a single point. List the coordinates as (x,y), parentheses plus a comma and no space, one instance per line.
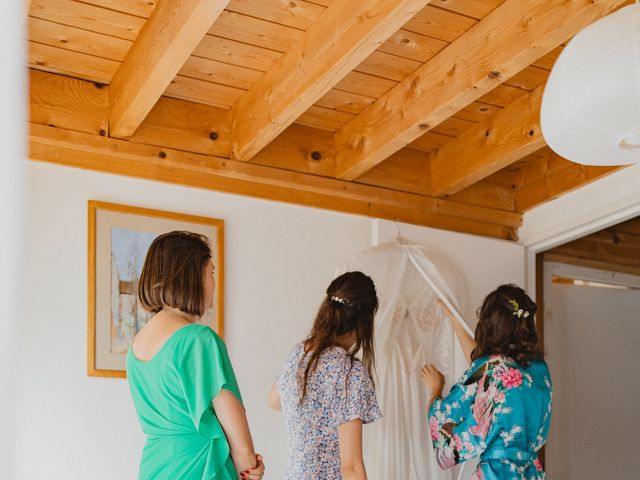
(498,411)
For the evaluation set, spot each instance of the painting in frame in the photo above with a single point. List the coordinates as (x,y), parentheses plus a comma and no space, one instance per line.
(119,237)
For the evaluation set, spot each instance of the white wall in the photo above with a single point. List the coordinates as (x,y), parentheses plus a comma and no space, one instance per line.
(279,259)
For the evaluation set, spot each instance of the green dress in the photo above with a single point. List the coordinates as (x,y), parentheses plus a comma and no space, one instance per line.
(172,394)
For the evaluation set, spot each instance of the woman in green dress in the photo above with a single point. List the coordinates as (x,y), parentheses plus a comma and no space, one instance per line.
(181,380)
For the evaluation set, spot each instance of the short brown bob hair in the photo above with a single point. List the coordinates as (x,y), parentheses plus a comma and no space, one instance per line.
(173,273)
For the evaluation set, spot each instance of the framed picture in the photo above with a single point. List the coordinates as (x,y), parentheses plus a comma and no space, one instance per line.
(119,237)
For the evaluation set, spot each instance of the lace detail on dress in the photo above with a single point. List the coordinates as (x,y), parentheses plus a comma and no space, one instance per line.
(419,334)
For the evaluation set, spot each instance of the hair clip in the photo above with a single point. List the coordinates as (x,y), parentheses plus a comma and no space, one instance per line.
(517,311)
(341,300)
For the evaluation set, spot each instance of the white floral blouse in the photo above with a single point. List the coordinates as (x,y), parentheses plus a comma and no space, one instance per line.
(338,390)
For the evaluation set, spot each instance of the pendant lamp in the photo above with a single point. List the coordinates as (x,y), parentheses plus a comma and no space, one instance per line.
(591,104)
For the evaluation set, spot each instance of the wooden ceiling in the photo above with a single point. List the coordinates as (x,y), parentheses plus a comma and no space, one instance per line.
(616,249)
(416,110)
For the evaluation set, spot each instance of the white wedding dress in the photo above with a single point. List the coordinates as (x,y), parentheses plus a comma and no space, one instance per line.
(410,331)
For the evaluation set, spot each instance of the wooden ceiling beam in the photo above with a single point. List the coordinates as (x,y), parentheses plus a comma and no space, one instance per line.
(555,177)
(508,136)
(408,171)
(167,39)
(480,59)
(104,154)
(344,35)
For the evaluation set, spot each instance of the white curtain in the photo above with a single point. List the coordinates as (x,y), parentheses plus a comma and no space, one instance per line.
(410,331)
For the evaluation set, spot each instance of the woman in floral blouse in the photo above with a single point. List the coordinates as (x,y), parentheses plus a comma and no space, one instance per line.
(500,409)
(324,391)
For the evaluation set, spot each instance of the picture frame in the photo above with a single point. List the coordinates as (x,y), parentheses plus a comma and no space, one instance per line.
(118,239)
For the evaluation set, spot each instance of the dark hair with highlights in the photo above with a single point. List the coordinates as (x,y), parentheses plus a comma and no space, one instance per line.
(349,306)
(506,326)
(173,273)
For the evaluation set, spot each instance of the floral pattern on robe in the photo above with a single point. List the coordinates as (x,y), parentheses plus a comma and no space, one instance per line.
(499,411)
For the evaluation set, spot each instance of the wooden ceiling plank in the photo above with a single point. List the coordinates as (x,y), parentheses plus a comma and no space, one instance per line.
(413,46)
(406,170)
(483,57)
(323,118)
(342,37)
(140,8)
(299,14)
(556,183)
(365,84)
(549,59)
(430,141)
(630,227)
(345,101)
(477,112)
(387,66)
(69,103)
(586,262)
(219,72)
(477,9)
(513,133)
(77,39)
(255,31)
(169,37)
(502,95)
(236,53)
(440,24)
(74,64)
(454,126)
(88,17)
(206,93)
(529,79)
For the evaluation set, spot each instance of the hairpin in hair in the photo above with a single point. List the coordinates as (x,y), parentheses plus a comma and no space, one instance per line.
(517,311)
(335,298)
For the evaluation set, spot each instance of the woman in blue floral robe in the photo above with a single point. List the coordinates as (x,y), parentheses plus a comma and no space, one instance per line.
(500,409)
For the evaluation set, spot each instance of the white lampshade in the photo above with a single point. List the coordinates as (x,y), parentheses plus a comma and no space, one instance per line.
(591,103)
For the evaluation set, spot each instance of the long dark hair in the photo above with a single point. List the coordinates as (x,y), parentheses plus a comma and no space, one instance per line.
(173,273)
(506,326)
(349,306)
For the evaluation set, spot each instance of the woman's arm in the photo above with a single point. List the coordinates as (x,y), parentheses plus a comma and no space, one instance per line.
(274,399)
(233,419)
(350,443)
(467,343)
(461,422)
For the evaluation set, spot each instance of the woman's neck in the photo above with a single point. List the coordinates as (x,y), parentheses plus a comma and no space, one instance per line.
(176,312)
(346,341)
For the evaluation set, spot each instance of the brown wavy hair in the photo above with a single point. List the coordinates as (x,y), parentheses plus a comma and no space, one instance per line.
(349,306)
(506,326)
(173,273)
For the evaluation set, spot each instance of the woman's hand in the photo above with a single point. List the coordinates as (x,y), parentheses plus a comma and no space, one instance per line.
(433,379)
(254,473)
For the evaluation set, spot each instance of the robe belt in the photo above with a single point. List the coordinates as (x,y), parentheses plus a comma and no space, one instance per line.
(512,454)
